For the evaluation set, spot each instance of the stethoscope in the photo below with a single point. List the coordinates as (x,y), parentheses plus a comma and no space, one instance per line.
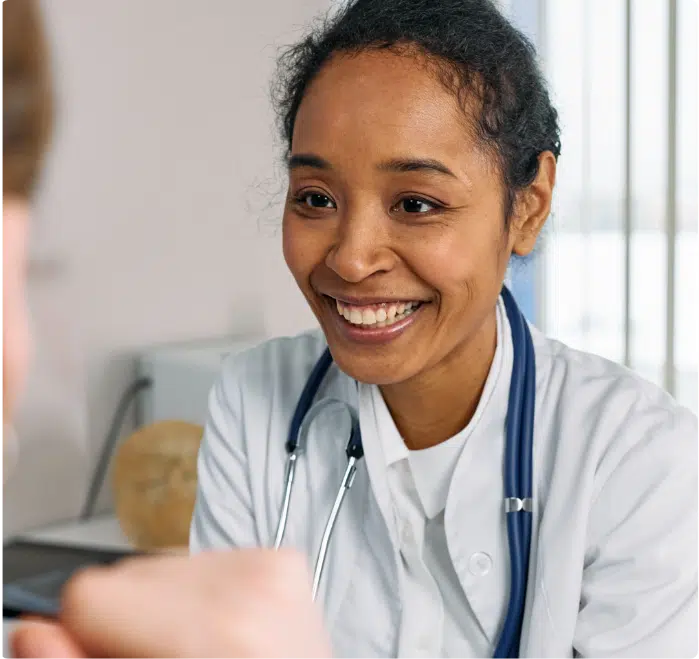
(517,473)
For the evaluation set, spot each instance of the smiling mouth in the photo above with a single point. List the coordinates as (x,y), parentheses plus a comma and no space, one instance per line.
(376,316)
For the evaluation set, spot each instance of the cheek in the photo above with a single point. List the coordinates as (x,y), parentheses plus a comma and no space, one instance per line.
(304,248)
(465,261)
(292,249)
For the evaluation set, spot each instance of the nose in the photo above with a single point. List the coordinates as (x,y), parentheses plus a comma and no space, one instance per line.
(361,248)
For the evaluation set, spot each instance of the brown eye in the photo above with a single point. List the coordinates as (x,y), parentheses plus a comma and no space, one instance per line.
(316,200)
(415,205)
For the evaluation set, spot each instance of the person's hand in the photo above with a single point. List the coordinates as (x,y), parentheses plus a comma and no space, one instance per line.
(240,603)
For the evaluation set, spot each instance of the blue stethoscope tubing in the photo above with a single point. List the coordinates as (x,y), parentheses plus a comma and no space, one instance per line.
(517,478)
(517,469)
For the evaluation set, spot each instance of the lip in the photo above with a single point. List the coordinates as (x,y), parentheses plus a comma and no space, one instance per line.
(367,301)
(369,336)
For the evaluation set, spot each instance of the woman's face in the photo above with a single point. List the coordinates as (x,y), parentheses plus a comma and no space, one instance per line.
(394,222)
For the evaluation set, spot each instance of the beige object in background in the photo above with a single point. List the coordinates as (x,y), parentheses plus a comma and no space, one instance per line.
(155,481)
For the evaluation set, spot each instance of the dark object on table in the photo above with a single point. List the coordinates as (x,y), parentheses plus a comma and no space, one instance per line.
(34,573)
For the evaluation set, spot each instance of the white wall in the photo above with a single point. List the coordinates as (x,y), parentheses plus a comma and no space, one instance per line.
(153,221)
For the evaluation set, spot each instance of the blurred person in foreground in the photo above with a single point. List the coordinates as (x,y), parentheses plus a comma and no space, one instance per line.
(217,604)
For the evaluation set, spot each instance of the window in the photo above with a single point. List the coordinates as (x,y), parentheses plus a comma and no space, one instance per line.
(618,264)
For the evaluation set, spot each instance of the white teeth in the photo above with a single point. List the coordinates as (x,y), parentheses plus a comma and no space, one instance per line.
(383,316)
(369,317)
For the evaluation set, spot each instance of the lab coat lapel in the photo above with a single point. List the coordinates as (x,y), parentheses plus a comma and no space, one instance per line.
(475,522)
(358,548)
(476,530)
(375,461)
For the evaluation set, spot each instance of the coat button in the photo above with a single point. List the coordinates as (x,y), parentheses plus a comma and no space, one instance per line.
(479,564)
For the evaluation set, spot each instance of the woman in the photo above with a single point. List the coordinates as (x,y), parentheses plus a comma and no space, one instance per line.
(422,158)
(162,607)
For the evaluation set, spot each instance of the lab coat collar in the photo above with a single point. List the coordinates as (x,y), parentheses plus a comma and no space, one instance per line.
(474,520)
(393,447)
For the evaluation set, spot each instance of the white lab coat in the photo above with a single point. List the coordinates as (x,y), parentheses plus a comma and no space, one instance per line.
(613,569)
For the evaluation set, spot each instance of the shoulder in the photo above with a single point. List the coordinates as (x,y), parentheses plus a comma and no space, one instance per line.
(251,405)
(280,352)
(593,381)
(242,456)
(606,413)
(277,363)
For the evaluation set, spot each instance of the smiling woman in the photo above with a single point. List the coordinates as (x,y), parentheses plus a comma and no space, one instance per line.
(394,201)
(422,151)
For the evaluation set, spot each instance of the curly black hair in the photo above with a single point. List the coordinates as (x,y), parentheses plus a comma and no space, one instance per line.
(477,54)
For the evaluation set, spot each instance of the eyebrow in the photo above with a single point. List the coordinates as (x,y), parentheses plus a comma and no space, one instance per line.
(400,165)
(307,160)
(416,165)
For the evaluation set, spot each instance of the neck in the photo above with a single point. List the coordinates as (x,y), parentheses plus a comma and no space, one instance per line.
(436,404)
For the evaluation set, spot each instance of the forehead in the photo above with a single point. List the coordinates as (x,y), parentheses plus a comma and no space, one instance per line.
(381,103)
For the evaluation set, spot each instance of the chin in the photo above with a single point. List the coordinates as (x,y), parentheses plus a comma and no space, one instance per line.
(378,352)
(370,368)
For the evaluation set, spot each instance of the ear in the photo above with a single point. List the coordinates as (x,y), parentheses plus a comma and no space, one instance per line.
(533,206)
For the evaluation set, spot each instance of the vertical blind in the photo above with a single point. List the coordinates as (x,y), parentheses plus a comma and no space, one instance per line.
(618,268)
